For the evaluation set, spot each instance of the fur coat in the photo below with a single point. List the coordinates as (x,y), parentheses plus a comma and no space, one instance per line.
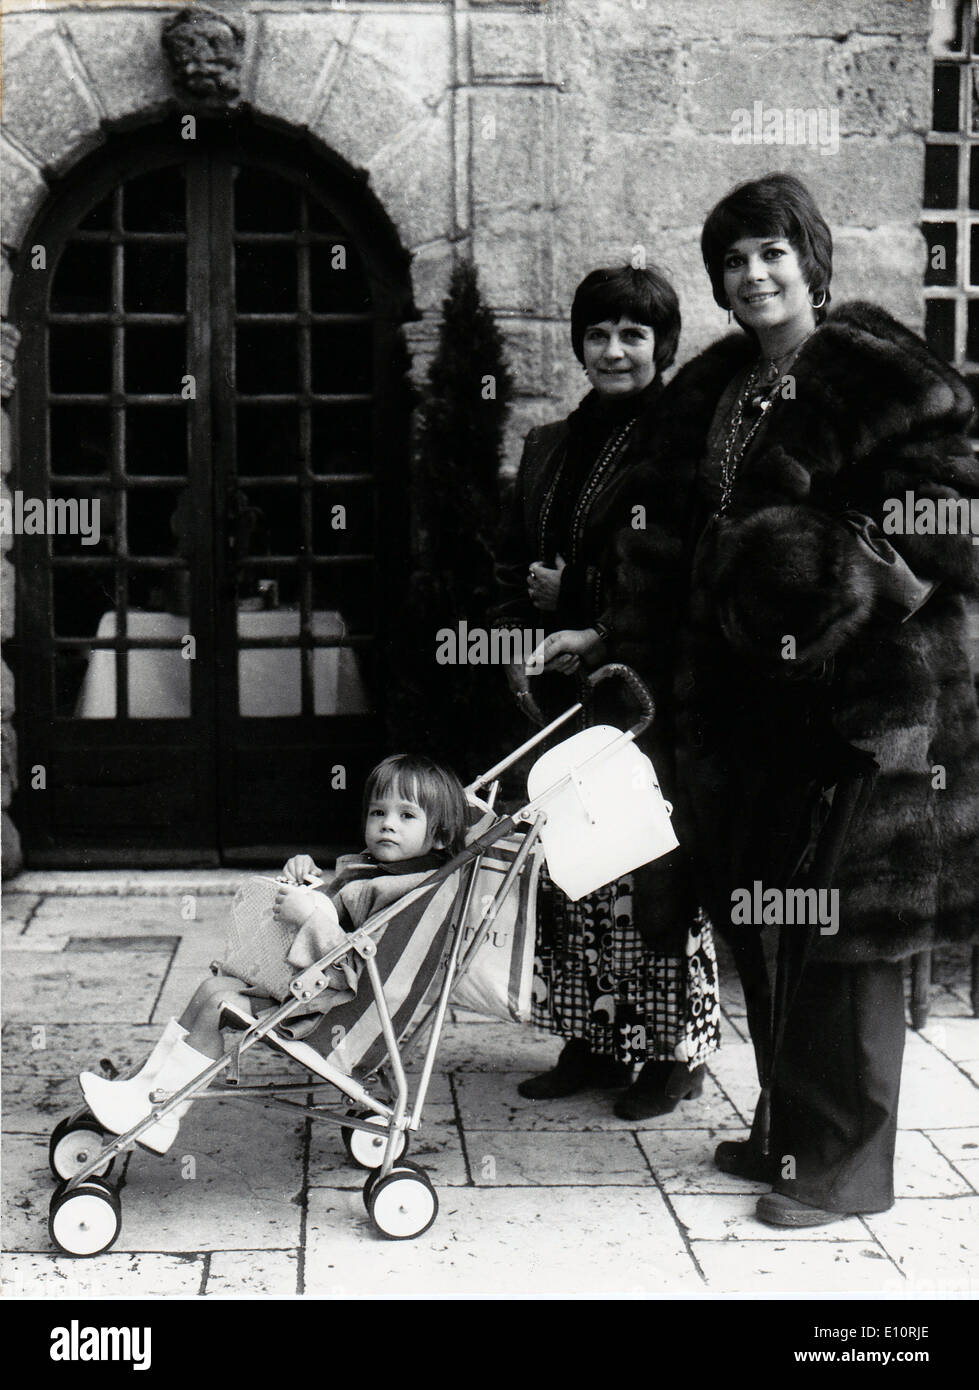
(770,729)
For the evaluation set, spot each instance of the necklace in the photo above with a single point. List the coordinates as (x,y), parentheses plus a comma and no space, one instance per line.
(757,395)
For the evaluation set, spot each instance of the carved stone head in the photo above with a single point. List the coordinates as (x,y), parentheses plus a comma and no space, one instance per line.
(204,50)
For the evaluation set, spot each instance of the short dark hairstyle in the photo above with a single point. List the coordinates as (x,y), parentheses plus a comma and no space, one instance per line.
(435,789)
(616,292)
(776,205)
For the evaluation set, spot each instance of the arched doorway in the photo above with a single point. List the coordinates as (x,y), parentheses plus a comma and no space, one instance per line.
(211,409)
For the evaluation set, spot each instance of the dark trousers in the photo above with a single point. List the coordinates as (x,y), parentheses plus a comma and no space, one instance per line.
(836,1087)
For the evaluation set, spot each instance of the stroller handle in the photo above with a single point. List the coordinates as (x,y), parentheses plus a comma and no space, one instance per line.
(618,670)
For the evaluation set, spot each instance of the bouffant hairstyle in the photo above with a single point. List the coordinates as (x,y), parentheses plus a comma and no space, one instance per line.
(435,789)
(617,292)
(778,205)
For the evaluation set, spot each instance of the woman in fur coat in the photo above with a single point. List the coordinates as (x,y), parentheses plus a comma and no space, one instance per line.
(627,973)
(822,489)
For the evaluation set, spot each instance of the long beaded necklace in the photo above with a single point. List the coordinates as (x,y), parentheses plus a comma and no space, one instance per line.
(759,393)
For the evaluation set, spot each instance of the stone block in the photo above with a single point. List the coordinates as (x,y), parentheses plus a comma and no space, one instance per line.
(508,46)
(682,1161)
(431,270)
(23,190)
(503,1242)
(122,55)
(770,1266)
(294,55)
(365,110)
(885,265)
(935,1243)
(883,87)
(530,353)
(112,1275)
(702,19)
(27,1188)
(412,178)
(415,49)
(524,1159)
(720,80)
(48,107)
(231,1182)
(512,251)
(6,281)
(8,761)
(13,858)
(8,702)
(73,985)
(421,339)
(8,598)
(513,146)
(921,1171)
(497,1047)
(957,1038)
(934,1092)
(253,1274)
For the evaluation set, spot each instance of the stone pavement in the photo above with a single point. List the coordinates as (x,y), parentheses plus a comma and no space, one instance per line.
(536,1199)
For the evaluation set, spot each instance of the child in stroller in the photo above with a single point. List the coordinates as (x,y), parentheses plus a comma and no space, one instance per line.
(414,820)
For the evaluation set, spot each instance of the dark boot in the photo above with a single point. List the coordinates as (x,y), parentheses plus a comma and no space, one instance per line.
(742,1159)
(577,1069)
(658,1089)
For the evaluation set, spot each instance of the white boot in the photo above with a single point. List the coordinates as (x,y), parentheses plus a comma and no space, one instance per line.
(171,1034)
(121,1104)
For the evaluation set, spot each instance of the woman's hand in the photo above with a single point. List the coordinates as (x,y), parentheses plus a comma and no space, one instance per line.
(566,652)
(544,585)
(299,866)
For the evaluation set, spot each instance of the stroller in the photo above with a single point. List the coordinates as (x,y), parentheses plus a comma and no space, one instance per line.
(595,813)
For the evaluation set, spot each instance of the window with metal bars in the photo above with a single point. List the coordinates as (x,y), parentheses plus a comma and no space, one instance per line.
(950,216)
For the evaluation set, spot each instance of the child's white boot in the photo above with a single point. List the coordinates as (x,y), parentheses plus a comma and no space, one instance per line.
(121,1104)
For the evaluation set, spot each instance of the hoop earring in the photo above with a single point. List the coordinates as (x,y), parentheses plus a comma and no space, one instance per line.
(821,302)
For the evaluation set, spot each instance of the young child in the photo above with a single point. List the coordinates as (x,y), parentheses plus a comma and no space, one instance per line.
(414,821)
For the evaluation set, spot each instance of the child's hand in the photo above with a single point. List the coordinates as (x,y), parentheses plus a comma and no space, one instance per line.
(294,905)
(298,867)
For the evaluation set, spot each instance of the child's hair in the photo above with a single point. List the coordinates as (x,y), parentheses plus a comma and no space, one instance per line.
(435,789)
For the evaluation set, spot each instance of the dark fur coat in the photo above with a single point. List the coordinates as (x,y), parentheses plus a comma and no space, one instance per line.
(764,740)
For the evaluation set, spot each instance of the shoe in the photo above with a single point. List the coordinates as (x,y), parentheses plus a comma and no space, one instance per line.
(741,1159)
(119,1105)
(577,1069)
(775,1209)
(658,1089)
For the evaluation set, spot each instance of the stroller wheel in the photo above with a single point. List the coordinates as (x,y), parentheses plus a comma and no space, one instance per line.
(73,1143)
(86,1220)
(403,1205)
(402,1165)
(367,1150)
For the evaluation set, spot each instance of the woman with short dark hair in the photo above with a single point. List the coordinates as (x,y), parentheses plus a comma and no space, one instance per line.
(628,973)
(828,742)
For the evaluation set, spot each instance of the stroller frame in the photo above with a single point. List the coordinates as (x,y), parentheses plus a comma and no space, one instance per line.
(410,1210)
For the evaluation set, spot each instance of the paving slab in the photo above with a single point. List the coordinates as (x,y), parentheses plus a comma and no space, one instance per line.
(15,910)
(496,1242)
(934,1092)
(724,1216)
(492,1102)
(110,1275)
(934,1242)
(496,1047)
(77,986)
(437,1147)
(253,1274)
(523,1158)
(921,1170)
(736,1074)
(958,1145)
(683,1161)
(27,1189)
(798,1267)
(108,916)
(232,1180)
(957,1038)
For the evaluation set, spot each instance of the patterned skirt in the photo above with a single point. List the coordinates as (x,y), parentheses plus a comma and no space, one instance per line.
(596,979)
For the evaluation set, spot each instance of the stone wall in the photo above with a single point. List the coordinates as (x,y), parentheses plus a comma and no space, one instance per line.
(541,139)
